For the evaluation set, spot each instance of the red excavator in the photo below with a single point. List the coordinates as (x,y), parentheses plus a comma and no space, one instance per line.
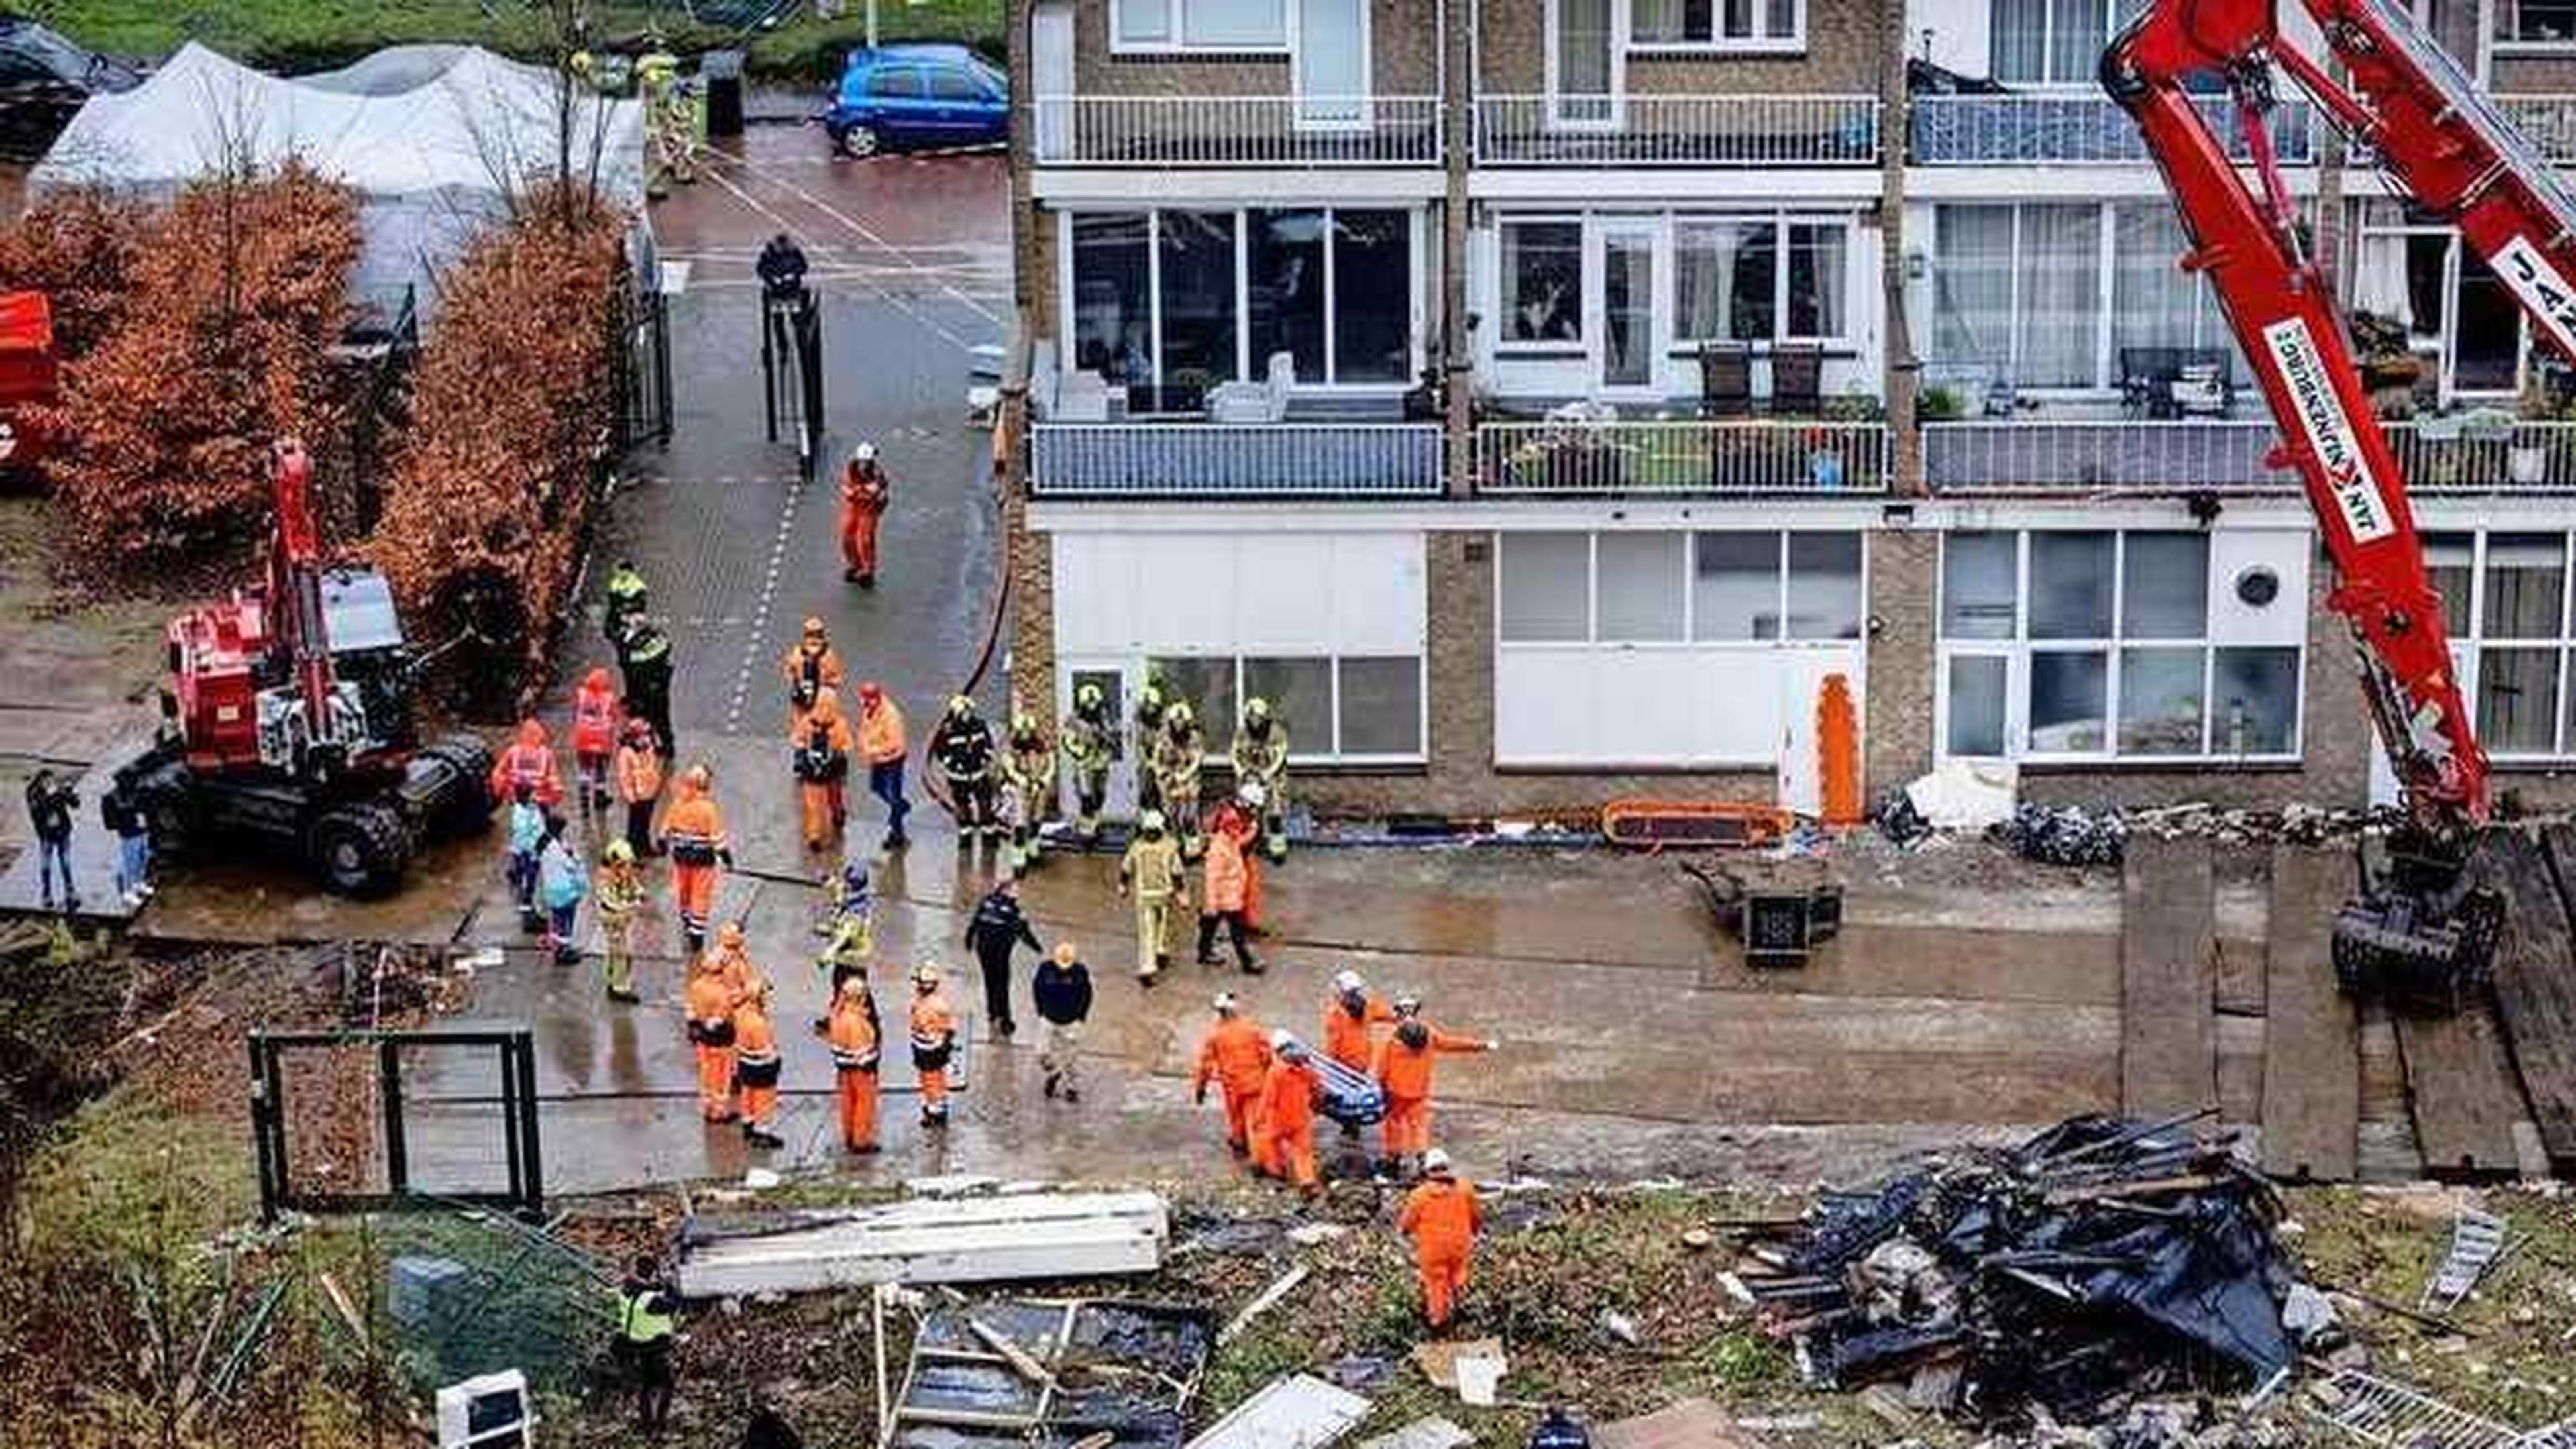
(289,718)
(2421,929)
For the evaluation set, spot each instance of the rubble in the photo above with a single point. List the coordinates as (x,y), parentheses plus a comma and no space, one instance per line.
(2096,1263)
(2065,835)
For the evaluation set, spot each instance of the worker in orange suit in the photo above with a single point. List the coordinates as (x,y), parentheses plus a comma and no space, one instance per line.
(1239,815)
(881,745)
(1441,1217)
(1351,1018)
(866,492)
(756,1067)
(529,761)
(733,962)
(637,771)
(693,831)
(1284,1127)
(934,1043)
(853,1033)
(710,1001)
(1404,1062)
(1236,1056)
(819,752)
(812,669)
(595,713)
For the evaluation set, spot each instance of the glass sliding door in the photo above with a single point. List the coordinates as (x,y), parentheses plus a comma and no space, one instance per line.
(1196,252)
(1332,63)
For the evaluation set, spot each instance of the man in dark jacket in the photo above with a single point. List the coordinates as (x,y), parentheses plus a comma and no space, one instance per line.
(999,926)
(647,1326)
(781,268)
(1062,990)
(962,748)
(644,658)
(50,805)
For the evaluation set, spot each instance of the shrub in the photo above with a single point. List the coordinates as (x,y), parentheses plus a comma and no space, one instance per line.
(512,410)
(238,291)
(79,248)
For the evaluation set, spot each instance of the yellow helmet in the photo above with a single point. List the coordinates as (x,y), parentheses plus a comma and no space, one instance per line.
(1256,708)
(1023,722)
(1087,697)
(1179,716)
(960,704)
(619,853)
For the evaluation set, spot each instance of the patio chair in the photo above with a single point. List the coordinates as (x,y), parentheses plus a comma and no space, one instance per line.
(1797,379)
(1081,397)
(1265,401)
(1725,380)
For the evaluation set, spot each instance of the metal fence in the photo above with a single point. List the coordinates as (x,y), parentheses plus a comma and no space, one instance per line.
(2020,129)
(1229,460)
(1621,457)
(2549,122)
(1680,130)
(2143,455)
(1193,130)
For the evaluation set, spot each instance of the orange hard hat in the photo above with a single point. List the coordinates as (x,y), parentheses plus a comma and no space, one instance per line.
(596,679)
(532,732)
(870,690)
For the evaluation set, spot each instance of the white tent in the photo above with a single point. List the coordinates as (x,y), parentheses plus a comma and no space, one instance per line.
(432,138)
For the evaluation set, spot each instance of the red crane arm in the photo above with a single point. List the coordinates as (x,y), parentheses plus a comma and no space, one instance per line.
(2448,149)
(295,580)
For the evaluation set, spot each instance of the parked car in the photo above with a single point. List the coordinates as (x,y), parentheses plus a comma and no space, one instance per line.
(43,79)
(917,96)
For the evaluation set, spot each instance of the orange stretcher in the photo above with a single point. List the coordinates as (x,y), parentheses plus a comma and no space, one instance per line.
(1692,824)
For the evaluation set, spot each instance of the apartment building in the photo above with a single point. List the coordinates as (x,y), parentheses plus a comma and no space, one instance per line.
(1794,340)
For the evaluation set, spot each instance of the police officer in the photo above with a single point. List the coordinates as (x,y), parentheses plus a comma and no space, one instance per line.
(962,747)
(1090,744)
(644,658)
(627,597)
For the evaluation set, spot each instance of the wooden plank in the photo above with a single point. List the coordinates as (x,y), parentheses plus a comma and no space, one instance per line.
(986,1240)
(2311,1034)
(2168,978)
(2460,1085)
(2536,992)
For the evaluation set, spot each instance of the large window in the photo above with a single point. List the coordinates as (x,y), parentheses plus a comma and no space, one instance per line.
(1718,24)
(1758,279)
(1172,297)
(2052,42)
(1353,709)
(2415,279)
(2536,22)
(2505,603)
(1199,24)
(1658,587)
(1542,282)
(2084,644)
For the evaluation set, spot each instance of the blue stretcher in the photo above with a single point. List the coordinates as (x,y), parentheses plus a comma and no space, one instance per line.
(1350,1098)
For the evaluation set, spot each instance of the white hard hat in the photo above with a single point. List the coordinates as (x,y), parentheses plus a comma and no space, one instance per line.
(1435,1161)
(1224,1001)
(864,453)
(926,974)
(1252,794)
(1281,1039)
(1408,1005)
(1348,982)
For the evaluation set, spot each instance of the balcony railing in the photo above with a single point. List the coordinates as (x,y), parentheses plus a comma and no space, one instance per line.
(1225,460)
(1754,456)
(2439,455)
(1194,130)
(2549,121)
(1652,130)
(2013,130)
(2130,455)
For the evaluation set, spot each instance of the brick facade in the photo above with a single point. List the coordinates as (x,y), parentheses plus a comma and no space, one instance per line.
(1841,55)
(1404,59)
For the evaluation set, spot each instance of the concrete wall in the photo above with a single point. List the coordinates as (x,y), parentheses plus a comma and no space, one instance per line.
(1904,585)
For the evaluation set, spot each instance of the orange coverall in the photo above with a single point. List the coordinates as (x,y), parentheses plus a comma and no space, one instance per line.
(1232,819)
(637,774)
(712,997)
(853,1035)
(528,761)
(694,831)
(865,494)
(819,670)
(1404,1074)
(1441,1216)
(824,803)
(756,1063)
(595,715)
(1347,1038)
(1236,1055)
(934,1038)
(1284,1136)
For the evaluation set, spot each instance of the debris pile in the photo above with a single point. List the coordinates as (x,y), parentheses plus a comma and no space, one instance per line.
(2098,1262)
(2065,835)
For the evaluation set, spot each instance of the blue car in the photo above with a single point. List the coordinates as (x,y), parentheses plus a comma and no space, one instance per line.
(917,96)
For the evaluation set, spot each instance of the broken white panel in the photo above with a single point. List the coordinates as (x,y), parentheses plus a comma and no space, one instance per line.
(1431,1433)
(1297,1412)
(975,1240)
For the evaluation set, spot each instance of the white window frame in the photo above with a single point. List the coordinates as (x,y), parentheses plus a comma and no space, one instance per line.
(1780,221)
(1245,363)
(1220,733)
(2469,649)
(2501,43)
(2116,13)
(2020,646)
(1759,43)
(1584,286)
(1179,42)
(1551,30)
(2447,387)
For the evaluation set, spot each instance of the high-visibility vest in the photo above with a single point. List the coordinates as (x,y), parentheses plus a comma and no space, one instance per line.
(637,1320)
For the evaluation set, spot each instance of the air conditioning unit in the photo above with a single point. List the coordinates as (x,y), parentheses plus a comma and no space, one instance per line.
(488,1411)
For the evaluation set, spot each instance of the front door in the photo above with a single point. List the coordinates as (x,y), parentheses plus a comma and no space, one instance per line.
(1331,41)
(1625,266)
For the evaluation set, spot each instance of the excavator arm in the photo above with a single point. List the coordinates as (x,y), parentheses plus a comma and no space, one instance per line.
(2419,929)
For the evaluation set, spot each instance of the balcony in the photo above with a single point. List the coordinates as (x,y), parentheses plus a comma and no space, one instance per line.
(1248,461)
(2549,122)
(1657,130)
(1654,456)
(2132,455)
(1193,130)
(2017,130)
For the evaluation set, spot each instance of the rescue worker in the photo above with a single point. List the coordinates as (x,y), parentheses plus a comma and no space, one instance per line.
(693,831)
(1284,1127)
(1239,815)
(934,1043)
(595,714)
(1062,990)
(620,894)
(853,1033)
(852,909)
(1350,1017)
(1235,1056)
(710,1001)
(1028,774)
(866,493)
(820,754)
(881,744)
(1150,705)
(756,1067)
(670,121)
(647,1326)
(526,844)
(1441,1216)
(1261,757)
(1404,1062)
(1221,901)
(781,269)
(627,600)
(529,761)
(962,747)
(995,930)
(1152,870)
(637,774)
(645,664)
(1090,744)
(812,669)
(1178,755)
